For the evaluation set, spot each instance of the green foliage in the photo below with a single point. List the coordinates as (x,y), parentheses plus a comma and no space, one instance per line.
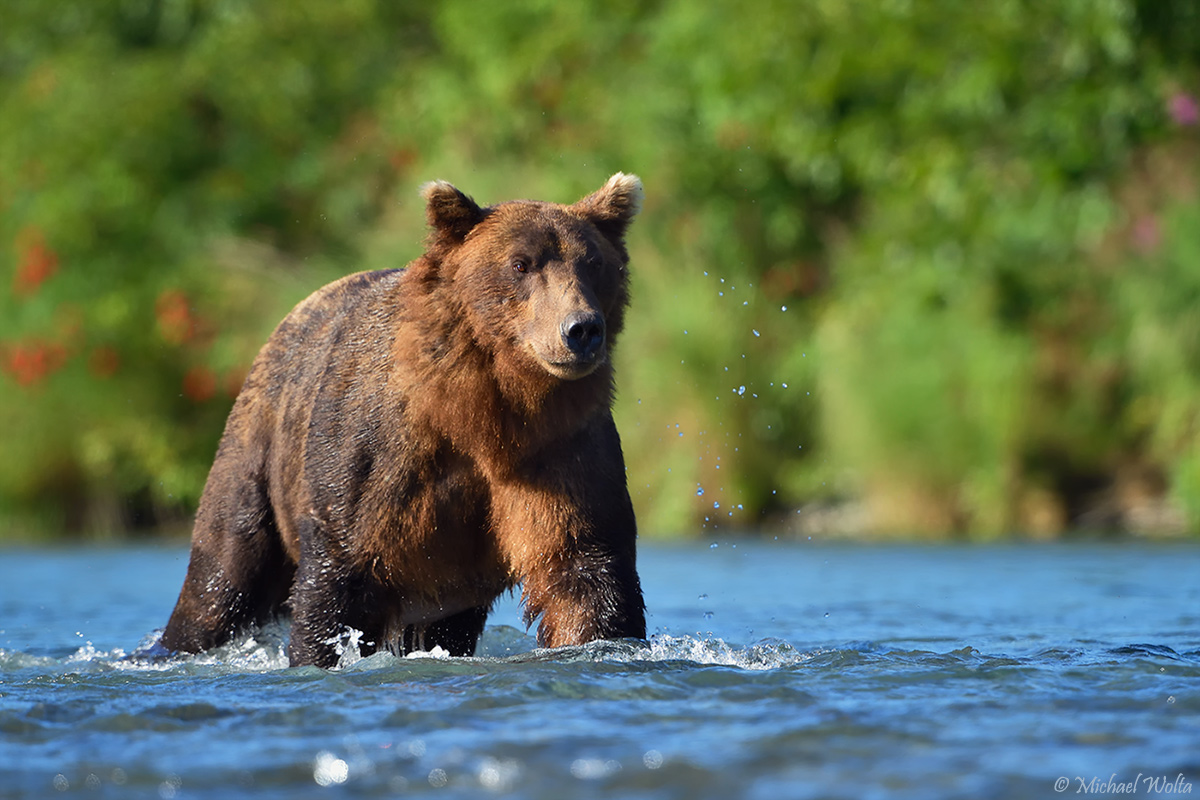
(886,252)
(171,165)
(1156,299)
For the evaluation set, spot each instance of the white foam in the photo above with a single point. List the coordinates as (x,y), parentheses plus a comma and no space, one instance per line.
(762,655)
(265,650)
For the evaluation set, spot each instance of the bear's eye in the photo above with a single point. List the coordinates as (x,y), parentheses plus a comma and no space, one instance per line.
(520,264)
(592,259)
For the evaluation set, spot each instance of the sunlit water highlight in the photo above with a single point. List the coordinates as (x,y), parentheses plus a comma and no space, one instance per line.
(775,671)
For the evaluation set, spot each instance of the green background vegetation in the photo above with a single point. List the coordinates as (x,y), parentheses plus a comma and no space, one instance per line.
(923,268)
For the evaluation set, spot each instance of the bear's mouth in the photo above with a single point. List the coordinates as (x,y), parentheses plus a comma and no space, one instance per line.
(573,369)
(568,366)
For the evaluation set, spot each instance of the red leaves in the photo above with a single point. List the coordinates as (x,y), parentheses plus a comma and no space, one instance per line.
(36,263)
(176,322)
(179,324)
(32,361)
(199,384)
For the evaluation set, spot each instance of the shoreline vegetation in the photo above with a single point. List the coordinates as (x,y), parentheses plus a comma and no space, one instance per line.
(904,270)
(819,523)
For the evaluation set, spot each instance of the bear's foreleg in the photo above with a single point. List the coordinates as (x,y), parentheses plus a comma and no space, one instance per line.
(567,530)
(591,593)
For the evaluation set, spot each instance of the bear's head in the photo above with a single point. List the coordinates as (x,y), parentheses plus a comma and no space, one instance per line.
(542,286)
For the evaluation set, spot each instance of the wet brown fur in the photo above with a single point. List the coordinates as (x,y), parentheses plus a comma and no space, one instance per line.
(410,444)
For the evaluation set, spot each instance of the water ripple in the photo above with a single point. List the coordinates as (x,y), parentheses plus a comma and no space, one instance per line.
(933,673)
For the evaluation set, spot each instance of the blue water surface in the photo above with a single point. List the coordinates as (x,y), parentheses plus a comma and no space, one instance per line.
(774,670)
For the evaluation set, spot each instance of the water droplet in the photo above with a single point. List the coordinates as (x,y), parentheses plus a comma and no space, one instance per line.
(708,615)
(784,385)
(783,308)
(716,505)
(699,488)
(741,390)
(827,615)
(592,769)
(714,545)
(702,597)
(499,775)
(328,769)
(756,333)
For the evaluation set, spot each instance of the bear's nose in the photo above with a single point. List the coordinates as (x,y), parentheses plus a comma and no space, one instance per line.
(583,332)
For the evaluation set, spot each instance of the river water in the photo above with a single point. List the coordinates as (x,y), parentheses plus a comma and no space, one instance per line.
(774,670)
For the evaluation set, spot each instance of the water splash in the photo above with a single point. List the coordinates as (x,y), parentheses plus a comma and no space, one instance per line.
(766,654)
(262,649)
(265,650)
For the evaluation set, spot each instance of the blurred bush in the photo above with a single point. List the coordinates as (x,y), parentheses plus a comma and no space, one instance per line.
(930,263)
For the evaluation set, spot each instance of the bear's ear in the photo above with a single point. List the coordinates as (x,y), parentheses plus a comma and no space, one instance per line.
(450,213)
(614,205)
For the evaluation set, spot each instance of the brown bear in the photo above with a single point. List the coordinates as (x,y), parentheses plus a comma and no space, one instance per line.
(412,443)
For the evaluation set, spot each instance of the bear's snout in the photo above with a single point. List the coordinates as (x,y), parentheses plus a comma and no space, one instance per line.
(583,334)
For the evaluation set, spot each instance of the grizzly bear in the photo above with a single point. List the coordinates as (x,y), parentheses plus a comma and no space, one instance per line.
(412,443)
